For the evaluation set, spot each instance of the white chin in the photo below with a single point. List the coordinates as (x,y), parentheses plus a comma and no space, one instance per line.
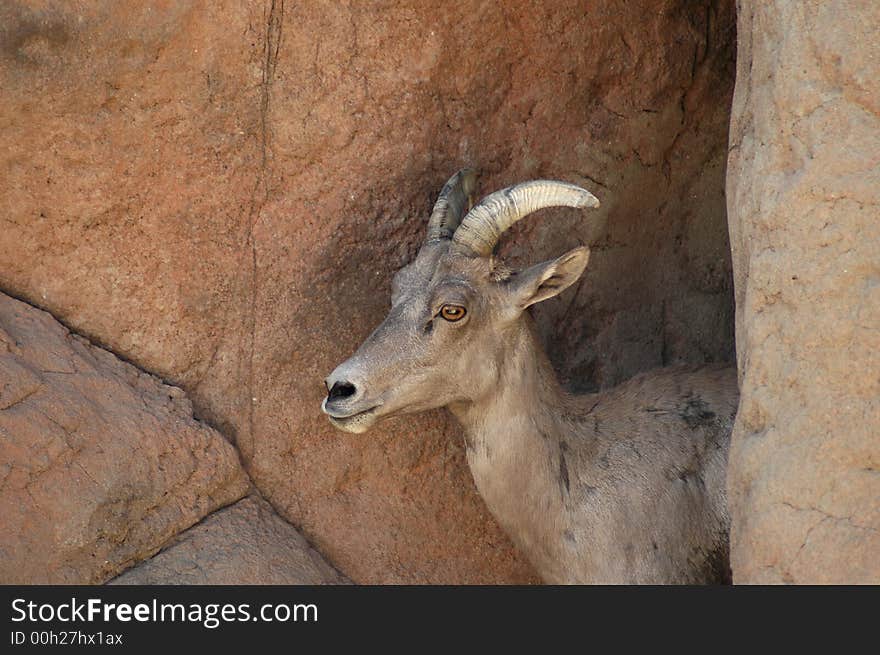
(357,424)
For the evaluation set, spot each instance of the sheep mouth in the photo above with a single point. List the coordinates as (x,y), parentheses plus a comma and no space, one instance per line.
(357,423)
(345,417)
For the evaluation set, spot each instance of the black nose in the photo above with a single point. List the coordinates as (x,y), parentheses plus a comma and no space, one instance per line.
(341,390)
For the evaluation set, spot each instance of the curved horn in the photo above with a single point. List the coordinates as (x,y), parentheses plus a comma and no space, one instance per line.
(484,224)
(456,197)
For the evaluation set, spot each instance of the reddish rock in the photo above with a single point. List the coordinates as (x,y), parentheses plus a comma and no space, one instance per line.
(220,192)
(100,464)
(804,192)
(247,543)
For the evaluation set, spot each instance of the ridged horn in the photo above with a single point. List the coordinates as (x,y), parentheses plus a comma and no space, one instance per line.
(456,197)
(486,222)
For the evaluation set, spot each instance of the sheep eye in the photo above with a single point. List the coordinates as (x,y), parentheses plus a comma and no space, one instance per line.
(452,313)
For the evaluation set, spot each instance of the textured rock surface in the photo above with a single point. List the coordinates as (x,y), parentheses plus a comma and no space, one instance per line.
(804,201)
(100,464)
(247,543)
(220,192)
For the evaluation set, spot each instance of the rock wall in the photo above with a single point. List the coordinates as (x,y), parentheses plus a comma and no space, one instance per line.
(247,543)
(100,464)
(220,192)
(803,199)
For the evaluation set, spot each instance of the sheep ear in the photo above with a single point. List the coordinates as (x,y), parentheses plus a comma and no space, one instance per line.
(549,278)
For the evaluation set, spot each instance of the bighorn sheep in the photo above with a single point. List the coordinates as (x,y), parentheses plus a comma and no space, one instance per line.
(622,486)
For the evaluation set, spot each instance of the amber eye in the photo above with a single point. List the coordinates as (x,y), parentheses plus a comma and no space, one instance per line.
(452,313)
